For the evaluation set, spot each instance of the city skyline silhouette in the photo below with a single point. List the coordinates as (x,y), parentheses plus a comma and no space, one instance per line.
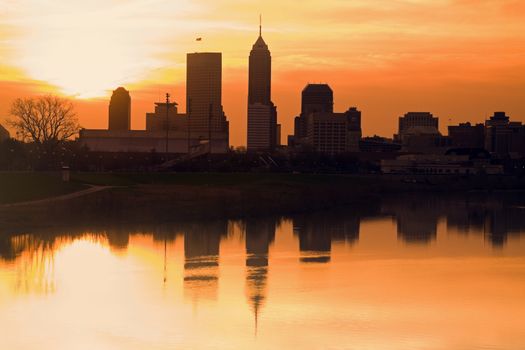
(433,66)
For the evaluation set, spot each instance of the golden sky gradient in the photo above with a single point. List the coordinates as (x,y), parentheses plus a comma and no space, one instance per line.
(459,59)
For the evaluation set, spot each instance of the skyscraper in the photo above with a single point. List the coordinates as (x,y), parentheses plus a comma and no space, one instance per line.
(262,114)
(260,73)
(319,129)
(314,98)
(120,110)
(317,98)
(204,95)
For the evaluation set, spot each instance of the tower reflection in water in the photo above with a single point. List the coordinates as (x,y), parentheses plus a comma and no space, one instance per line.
(259,235)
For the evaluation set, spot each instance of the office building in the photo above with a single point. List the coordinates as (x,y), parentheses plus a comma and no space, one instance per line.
(319,129)
(204,95)
(418,132)
(262,127)
(333,133)
(262,113)
(466,135)
(504,138)
(417,123)
(120,110)
(317,98)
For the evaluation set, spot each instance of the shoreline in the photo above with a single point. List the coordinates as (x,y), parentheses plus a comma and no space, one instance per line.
(170,197)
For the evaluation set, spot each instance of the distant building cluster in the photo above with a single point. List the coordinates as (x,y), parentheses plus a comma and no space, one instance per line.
(467,149)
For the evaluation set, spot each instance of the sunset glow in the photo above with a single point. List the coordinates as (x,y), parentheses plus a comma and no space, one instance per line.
(460,59)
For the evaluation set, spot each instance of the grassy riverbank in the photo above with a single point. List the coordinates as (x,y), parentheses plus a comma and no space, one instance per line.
(177,196)
(29,186)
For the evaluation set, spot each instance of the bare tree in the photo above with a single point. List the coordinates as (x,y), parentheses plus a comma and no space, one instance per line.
(46,120)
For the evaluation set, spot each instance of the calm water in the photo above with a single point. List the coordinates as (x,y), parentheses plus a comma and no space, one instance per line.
(406,273)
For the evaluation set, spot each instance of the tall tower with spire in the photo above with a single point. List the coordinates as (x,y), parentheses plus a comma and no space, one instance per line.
(262,114)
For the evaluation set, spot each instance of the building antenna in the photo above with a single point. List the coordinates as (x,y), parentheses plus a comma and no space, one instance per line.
(260,25)
(167,122)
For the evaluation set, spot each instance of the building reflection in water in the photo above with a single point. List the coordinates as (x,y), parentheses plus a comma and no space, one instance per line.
(27,262)
(201,259)
(315,244)
(493,218)
(416,219)
(502,222)
(259,235)
(118,239)
(317,231)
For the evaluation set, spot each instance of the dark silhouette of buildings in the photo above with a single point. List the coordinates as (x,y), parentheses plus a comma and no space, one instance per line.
(120,110)
(203,129)
(319,129)
(260,73)
(314,98)
(175,122)
(413,121)
(418,132)
(263,132)
(204,95)
(503,137)
(466,135)
(317,98)
(455,161)
(378,144)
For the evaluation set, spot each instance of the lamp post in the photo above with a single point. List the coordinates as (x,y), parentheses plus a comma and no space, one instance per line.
(167,122)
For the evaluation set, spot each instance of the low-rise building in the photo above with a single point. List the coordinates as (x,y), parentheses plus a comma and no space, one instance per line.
(378,144)
(458,163)
(149,141)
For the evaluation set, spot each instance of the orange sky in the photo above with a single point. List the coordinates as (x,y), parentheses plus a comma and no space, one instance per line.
(459,59)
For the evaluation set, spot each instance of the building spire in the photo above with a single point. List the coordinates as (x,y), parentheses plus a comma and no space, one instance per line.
(260,25)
